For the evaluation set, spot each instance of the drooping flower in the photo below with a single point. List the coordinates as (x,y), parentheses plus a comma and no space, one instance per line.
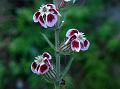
(76,40)
(47,15)
(42,64)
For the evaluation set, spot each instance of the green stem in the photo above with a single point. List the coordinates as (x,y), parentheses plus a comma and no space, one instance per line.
(57,54)
(57,86)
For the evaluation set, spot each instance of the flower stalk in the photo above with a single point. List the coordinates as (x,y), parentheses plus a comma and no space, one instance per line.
(57,54)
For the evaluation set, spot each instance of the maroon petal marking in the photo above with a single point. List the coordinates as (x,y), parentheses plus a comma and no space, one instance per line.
(54,11)
(46,60)
(51,20)
(44,68)
(50,17)
(72,38)
(85,43)
(33,67)
(47,55)
(42,22)
(36,16)
(69,40)
(41,19)
(71,32)
(50,5)
(75,45)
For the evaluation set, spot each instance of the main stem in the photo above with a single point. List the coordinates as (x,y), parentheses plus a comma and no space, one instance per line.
(57,54)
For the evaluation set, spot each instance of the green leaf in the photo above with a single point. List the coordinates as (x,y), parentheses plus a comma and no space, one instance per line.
(67,68)
(48,41)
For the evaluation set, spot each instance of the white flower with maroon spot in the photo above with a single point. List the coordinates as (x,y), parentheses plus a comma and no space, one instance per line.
(42,64)
(76,40)
(47,15)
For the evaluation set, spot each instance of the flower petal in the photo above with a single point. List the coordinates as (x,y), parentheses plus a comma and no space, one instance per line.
(52,6)
(75,45)
(47,55)
(71,32)
(42,22)
(37,71)
(43,68)
(85,45)
(33,67)
(51,20)
(54,11)
(47,61)
(71,39)
(36,16)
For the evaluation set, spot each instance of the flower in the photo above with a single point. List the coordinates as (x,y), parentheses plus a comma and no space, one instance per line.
(76,40)
(42,64)
(47,15)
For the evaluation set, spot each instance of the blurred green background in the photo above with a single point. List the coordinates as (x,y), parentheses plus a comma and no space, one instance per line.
(20,41)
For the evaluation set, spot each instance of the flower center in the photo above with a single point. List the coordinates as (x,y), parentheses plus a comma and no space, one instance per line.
(39,59)
(44,9)
(80,37)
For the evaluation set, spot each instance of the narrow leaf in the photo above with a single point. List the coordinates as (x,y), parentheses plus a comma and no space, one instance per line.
(48,41)
(67,68)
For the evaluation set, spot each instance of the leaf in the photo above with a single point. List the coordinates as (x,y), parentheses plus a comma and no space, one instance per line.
(67,68)
(48,41)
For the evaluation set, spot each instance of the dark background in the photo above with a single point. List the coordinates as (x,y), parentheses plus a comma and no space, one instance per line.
(20,41)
